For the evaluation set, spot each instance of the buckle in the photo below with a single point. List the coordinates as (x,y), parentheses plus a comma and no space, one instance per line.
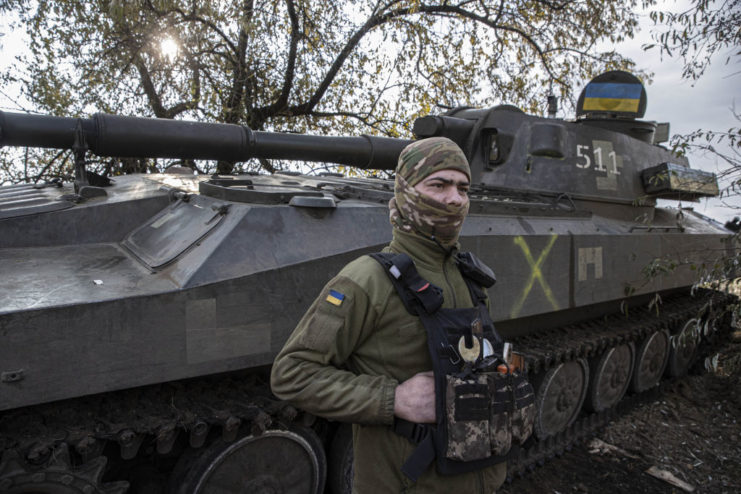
(415,433)
(419,433)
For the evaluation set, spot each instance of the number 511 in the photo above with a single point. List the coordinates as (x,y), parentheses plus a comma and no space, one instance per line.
(582,151)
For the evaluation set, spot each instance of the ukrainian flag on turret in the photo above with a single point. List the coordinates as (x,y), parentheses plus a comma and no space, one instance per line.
(614,94)
(612,97)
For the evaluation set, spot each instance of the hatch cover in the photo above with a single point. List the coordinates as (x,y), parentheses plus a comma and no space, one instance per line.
(174,230)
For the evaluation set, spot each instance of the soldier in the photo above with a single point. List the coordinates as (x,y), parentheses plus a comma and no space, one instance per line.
(359,356)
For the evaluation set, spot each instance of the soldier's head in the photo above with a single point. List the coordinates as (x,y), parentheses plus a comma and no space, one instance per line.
(431,190)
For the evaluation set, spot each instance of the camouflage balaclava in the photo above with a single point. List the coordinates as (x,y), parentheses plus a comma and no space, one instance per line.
(410,210)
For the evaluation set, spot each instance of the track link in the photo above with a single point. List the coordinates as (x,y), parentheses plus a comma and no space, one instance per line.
(150,418)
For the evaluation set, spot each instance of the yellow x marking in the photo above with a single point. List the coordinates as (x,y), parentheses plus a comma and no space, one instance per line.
(535,274)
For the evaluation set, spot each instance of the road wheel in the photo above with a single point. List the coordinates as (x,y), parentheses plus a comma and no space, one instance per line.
(651,358)
(559,395)
(275,462)
(609,377)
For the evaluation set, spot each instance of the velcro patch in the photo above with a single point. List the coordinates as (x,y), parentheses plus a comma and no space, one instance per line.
(335,298)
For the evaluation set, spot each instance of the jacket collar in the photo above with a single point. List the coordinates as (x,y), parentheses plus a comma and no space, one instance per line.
(422,250)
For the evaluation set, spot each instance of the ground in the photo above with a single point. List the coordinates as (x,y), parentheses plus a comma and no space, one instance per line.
(692,432)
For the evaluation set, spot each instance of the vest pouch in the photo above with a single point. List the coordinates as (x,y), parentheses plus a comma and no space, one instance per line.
(500,430)
(523,416)
(467,407)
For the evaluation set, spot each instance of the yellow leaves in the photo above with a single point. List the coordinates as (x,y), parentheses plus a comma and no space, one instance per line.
(413,6)
(401,68)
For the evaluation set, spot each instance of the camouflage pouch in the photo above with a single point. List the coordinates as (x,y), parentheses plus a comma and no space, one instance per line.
(523,415)
(500,430)
(467,407)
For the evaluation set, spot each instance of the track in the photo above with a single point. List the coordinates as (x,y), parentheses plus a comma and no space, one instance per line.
(147,433)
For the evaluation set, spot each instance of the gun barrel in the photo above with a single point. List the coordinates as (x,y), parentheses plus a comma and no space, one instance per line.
(20,129)
(134,137)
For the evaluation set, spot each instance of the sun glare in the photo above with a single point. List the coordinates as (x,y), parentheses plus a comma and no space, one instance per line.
(169,49)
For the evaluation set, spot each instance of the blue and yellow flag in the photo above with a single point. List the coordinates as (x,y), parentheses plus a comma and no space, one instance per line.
(335,298)
(612,96)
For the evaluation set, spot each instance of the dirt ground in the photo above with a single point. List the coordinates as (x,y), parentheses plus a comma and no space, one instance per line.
(692,433)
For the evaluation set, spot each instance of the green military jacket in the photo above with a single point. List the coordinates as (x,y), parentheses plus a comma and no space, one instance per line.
(344,361)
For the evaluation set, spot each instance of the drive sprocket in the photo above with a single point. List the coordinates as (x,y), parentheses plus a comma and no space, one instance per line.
(56,476)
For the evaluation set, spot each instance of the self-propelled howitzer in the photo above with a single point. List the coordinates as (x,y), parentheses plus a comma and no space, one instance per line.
(138,319)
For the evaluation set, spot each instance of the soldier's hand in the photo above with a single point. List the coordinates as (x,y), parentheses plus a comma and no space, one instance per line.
(415,399)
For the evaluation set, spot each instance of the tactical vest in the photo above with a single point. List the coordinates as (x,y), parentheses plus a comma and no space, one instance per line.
(482,408)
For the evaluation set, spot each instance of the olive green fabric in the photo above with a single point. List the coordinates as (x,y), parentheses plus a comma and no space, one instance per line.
(411,211)
(344,362)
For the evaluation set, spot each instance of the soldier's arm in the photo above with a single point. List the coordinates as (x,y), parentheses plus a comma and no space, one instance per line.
(309,371)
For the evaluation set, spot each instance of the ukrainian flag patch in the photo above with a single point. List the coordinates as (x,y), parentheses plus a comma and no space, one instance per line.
(335,298)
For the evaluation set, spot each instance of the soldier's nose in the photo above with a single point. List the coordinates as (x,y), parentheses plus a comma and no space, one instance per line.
(455,198)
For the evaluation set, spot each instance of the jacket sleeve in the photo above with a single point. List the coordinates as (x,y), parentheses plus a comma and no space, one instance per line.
(311,371)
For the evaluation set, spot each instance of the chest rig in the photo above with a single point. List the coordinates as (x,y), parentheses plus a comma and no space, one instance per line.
(482,408)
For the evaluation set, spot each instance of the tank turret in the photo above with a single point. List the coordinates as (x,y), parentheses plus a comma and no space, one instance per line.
(589,158)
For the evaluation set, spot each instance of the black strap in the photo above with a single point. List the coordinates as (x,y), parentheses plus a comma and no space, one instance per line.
(424,454)
(477,276)
(420,460)
(419,292)
(414,432)
(386,260)
(416,293)
(472,267)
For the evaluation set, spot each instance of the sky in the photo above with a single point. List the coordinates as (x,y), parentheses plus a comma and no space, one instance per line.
(690,105)
(686,105)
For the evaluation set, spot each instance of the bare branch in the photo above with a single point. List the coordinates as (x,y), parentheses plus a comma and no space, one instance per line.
(377,20)
(282,101)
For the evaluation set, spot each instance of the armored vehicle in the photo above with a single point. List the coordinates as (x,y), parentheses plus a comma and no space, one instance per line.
(139,315)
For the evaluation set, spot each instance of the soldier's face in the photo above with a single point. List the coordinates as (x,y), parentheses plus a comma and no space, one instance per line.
(446,186)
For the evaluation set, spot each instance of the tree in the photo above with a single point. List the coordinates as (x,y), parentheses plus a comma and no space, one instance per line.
(704,29)
(297,65)
(699,33)
(725,145)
